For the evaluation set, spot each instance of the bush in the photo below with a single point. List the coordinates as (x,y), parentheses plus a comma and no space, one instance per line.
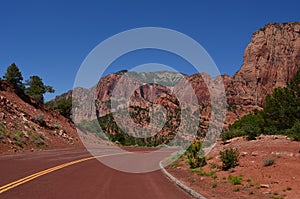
(229,158)
(37,139)
(235,179)
(294,132)
(195,155)
(3,131)
(227,135)
(39,119)
(63,106)
(18,139)
(236,189)
(200,172)
(269,162)
(250,125)
(214,185)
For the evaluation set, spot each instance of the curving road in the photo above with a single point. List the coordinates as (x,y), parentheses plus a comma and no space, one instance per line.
(87,178)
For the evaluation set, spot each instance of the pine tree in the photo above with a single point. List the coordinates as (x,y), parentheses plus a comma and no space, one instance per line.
(36,89)
(14,77)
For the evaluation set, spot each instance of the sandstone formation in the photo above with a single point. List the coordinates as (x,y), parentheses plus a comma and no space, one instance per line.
(270,60)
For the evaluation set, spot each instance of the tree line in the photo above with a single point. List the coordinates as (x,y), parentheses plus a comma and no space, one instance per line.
(33,87)
(280,115)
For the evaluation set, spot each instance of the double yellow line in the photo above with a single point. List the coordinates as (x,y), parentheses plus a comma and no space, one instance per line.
(44,172)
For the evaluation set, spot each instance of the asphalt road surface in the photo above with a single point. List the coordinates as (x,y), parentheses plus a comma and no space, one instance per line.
(73,173)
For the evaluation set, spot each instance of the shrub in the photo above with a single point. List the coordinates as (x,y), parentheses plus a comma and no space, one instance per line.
(195,155)
(235,179)
(236,189)
(294,132)
(57,126)
(227,135)
(18,139)
(37,139)
(200,172)
(63,106)
(269,162)
(215,166)
(229,158)
(39,119)
(3,131)
(214,185)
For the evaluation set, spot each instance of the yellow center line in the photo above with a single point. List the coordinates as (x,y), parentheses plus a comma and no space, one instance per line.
(44,172)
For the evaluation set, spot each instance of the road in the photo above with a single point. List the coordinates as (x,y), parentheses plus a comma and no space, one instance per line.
(87,178)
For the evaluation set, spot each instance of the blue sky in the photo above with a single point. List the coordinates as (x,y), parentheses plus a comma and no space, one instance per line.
(52,38)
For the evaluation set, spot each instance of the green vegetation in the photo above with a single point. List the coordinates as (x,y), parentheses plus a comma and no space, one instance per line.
(37,139)
(14,77)
(269,162)
(115,133)
(214,185)
(174,164)
(195,155)
(3,131)
(63,106)
(39,119)
(280,115)
(230,158)
(235,180)
(236,189)
(140,116)
(36,89)
(19,139)
(90,126)
(200,172)
(215,166)
(121,72)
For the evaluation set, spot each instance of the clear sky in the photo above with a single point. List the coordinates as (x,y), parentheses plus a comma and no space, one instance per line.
(52,38)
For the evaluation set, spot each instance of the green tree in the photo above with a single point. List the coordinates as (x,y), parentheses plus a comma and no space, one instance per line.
(14,77)
(279,109)
(63,106)
(280,115)
(36,89)
(294,86)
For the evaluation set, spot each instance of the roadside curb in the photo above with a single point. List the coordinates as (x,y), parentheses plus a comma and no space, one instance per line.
(180,184)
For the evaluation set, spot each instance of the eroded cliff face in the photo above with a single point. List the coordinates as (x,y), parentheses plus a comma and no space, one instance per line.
(270,60)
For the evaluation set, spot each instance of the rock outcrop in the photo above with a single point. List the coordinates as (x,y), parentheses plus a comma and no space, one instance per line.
(270,60)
